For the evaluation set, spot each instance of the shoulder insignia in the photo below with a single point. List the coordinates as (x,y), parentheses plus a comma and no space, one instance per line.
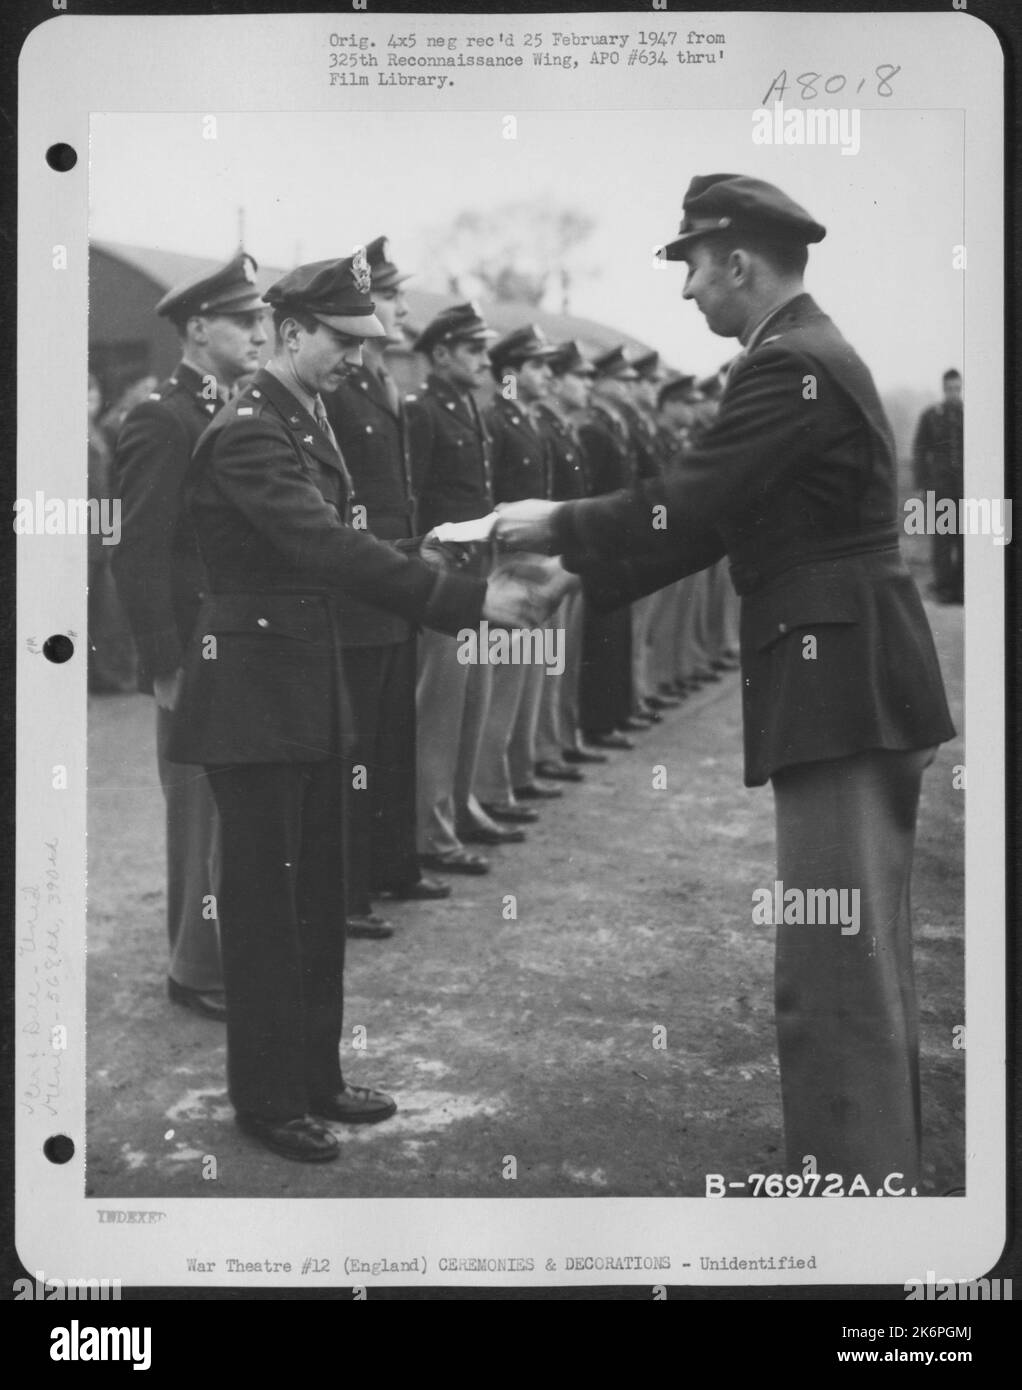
(306,438)
(256,395)
(411,396)
(449,405)
(210,407)
(155,396)
(245,410)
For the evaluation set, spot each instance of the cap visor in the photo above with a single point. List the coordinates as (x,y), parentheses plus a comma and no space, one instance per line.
(245,304)
(677,250)
(356,326)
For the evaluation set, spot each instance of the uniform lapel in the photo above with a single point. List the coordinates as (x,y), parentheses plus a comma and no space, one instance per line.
(456,404)
(302,426)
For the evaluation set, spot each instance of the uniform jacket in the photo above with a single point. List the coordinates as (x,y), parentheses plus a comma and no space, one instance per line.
(157,566)
(937,451)
(642,436)
(372,435)
(795,482)
(605,440)
(267,495)
(565,454)
(518,453)
(450,456)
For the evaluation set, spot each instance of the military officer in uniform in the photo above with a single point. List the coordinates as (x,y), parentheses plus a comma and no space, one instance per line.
(160,577)
(559,742)
(843,699)
(452,479)
(506,778)
(368,418)
(605,682)
(264,709)
(938,464)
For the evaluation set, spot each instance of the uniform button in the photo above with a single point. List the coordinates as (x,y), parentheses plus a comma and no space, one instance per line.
(369,429)
(262,622)
(782,627)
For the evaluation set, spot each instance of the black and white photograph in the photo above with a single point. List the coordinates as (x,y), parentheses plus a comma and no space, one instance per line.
(537,653)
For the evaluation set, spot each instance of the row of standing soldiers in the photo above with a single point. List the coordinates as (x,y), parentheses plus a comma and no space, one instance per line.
(457,755)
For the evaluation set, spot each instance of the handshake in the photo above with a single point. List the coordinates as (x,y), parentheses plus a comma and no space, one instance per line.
(523,590)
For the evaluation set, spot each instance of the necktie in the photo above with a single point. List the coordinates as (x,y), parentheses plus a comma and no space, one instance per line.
(319,410)
(389,389)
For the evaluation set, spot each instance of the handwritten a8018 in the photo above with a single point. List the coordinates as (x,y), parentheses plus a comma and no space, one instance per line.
(809,89)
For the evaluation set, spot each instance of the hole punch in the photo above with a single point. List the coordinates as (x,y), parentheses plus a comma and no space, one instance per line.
(62,157)
(59,1148)
(58,648)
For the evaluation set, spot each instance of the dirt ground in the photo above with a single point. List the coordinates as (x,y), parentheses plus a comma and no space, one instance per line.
(530,1037)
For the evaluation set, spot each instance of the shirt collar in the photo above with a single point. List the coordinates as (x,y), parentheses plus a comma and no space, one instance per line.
(765,321)
(302,396)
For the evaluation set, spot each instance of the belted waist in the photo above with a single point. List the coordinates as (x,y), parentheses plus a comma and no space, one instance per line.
(305,615)
(748,576)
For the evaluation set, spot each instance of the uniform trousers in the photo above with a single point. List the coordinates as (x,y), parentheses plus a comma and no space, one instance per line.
(193,852)
(643,612)
(381,818)
(605,685)
(718,585)
(663,629)
(282,926)
(691,655)
(847,1018)
(452,699)
(557,725)
(507,753)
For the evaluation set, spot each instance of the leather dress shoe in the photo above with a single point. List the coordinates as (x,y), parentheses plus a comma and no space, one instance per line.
(631,725)
(651,716)
(302,1139)
(210,1003)
(534,792)
(516,815)
(460,862)
(582,755)
(611,740)
(489,835)
(661,702)
(369,926)
(556,771)
(354,1105)
(423,889)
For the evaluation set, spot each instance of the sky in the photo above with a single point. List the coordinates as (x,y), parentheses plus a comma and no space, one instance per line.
(314,185)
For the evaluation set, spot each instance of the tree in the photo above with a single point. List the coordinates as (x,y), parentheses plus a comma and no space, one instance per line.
(522,251)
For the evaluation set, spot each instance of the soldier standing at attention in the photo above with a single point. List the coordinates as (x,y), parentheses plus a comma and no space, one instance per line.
(938,459)
(160,577)
(605,683)
(264,708)
(368,419)
(453,481)
(843,699)
(559,732)
(518,453)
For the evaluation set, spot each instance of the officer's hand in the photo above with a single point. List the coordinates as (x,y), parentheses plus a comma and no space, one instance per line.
(513,602)
(167,689)
(524,592)
(526,525)
(440,556)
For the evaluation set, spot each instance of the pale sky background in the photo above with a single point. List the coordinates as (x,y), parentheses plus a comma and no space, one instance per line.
(314,185)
